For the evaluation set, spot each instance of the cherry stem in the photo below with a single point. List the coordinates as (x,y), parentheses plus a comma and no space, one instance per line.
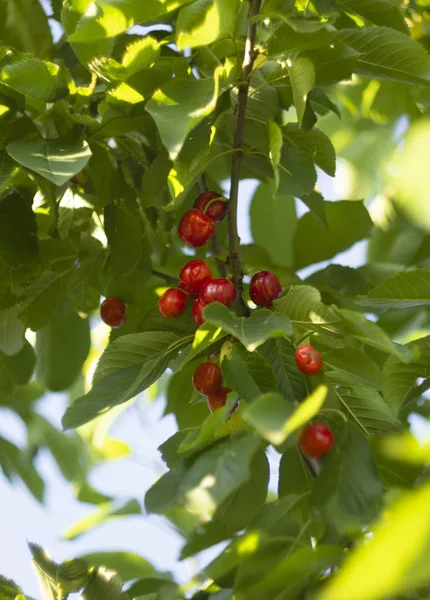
(239,134)
(313,468)
(215,244)
(168,278)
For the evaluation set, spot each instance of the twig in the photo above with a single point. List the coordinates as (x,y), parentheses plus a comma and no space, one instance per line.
(215,244)
(233,235)
(168,278)
(313,468)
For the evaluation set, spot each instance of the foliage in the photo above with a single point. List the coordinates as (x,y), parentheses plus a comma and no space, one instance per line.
(106,136)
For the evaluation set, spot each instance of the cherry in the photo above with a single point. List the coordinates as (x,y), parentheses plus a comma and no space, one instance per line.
(219,399)
(264,288)
(316,440)
(309,361)
(218,290)
(198,307)
(194,274)
(213,204)
(196,228)
(207,378)
(113,312)
(172,303)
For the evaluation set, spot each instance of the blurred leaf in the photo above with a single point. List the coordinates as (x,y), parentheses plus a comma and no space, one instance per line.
(380,12)
(103,514)
(295,478)
(252,331)
(290,382)
(62,347)
(275,419)
(15,32)
(405,290)
(302,79)
(319,147)
(247,373)
(388,54)
(385,565)
(354,364)
(32,77)
(56,160)
(347,223)
(40,300)
(11,332)
(273,222)
(104,584)
(204,21)
(297,175)
(285,40)
(179,395)
(127,565)
(19,244)
(15,462)
(276,141)
(8,168)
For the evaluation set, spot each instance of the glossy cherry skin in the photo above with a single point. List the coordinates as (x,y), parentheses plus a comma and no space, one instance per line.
(264,288)
(218,290)
(172,303)
(113,312)
(207,378)
(194,274)
(198,307)
(219,399)
(308,359)
(213,204)
(196,228)
(316,440)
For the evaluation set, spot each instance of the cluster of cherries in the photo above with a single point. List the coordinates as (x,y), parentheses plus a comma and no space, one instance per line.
(207,380)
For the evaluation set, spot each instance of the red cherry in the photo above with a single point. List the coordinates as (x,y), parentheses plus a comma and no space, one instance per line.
(172,303)
(218,290)
(198,307)
(219,399)
(207,378)
(309,361)
(213,204)
(193,276)
(264,288)
(316,440)
(113,312)
(196,228)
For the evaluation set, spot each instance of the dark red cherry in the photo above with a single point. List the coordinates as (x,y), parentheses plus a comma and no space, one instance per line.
(172,303)
(198,307)
(196,228)
(193,275)
(218,290)
(316,440)
(264,288)
(207,378)
(113,312)
(309,360)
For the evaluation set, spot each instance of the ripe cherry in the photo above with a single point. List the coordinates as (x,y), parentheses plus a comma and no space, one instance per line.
(213,204)
(207,378)
(113,312)
(198,307)
(309,361)
(194,274)
(172,303)
(218,290)
(196,228)
(316,440)
(264,288)
(219,399)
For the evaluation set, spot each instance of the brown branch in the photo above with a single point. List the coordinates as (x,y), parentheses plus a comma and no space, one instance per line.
(239,134)
(167,278)
(215,244)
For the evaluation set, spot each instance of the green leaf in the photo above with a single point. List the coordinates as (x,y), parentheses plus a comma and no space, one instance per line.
(179,395)
(405,290)
(399,380)
(178,107)
(290,382)
(205,21)
(315,202)
(302,304)
(275,419)
(384,565)
(317,144)
(348,223)
(40,300)
(103,514)
(295,478)
(273,222)
(32,77)
(247,373)
(62,347)
(19,367)
(140,55)
(57,160)
(388,54)
(104,584)
(334,62)
(11,332)
(236,512)
(253,331)
(154,588)
(226,466)
(349,476)
(25,26)
(297,175)
(127,565)
(380,12)
(19,244)
(276,142)
(285,40)
(15,462)
(302,78)
(7,170)
(128,366)
(355,364)
(364,405)
(8,589)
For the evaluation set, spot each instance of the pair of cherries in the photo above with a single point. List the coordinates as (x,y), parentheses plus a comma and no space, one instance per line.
(196,281)
(197,226)
(207,380)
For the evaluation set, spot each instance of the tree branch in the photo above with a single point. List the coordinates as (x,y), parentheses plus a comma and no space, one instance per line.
(215,244)
(167,278)
(234,240)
